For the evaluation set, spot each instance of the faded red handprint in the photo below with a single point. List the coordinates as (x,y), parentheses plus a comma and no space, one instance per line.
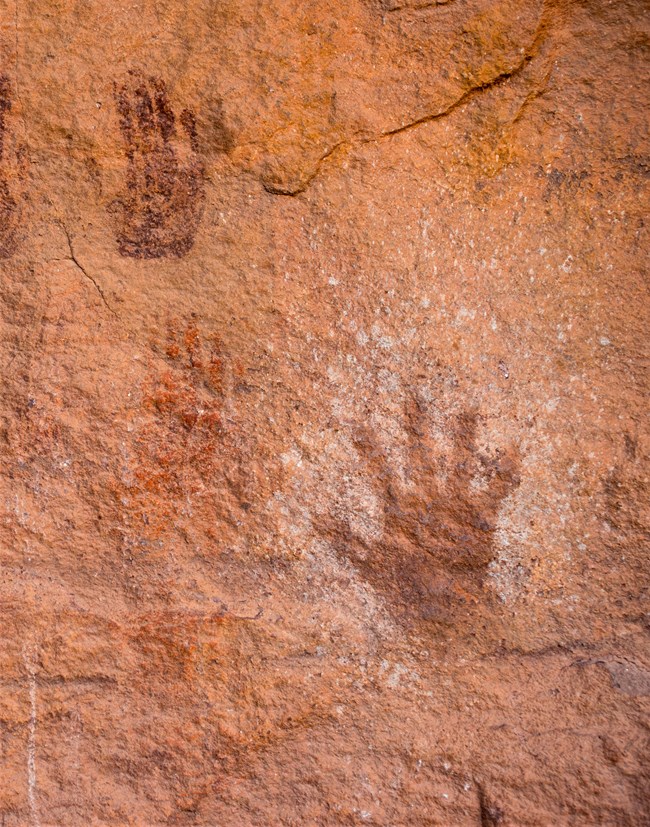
(161,207)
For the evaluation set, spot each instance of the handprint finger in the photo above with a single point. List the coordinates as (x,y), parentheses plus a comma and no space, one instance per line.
(125,111)
(5,94)
(189,125)
(143,110)
(164,115)
(5,106)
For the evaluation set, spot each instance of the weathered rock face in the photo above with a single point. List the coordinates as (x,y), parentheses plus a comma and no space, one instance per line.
(323,426)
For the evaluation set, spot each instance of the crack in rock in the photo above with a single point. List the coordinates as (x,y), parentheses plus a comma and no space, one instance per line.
(73,258)
(465,97)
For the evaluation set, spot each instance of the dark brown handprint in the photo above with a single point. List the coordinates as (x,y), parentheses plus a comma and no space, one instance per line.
(9,206)
(439,522)
(159,212)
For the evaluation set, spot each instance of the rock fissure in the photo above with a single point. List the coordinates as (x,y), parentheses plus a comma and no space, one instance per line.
(73,258)
(467,97)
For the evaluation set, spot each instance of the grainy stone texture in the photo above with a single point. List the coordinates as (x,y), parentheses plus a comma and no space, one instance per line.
(324,350)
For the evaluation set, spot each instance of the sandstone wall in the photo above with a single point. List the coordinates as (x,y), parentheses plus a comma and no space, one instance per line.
(323,416)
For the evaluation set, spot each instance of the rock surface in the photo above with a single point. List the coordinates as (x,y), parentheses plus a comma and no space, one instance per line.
(324,352)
